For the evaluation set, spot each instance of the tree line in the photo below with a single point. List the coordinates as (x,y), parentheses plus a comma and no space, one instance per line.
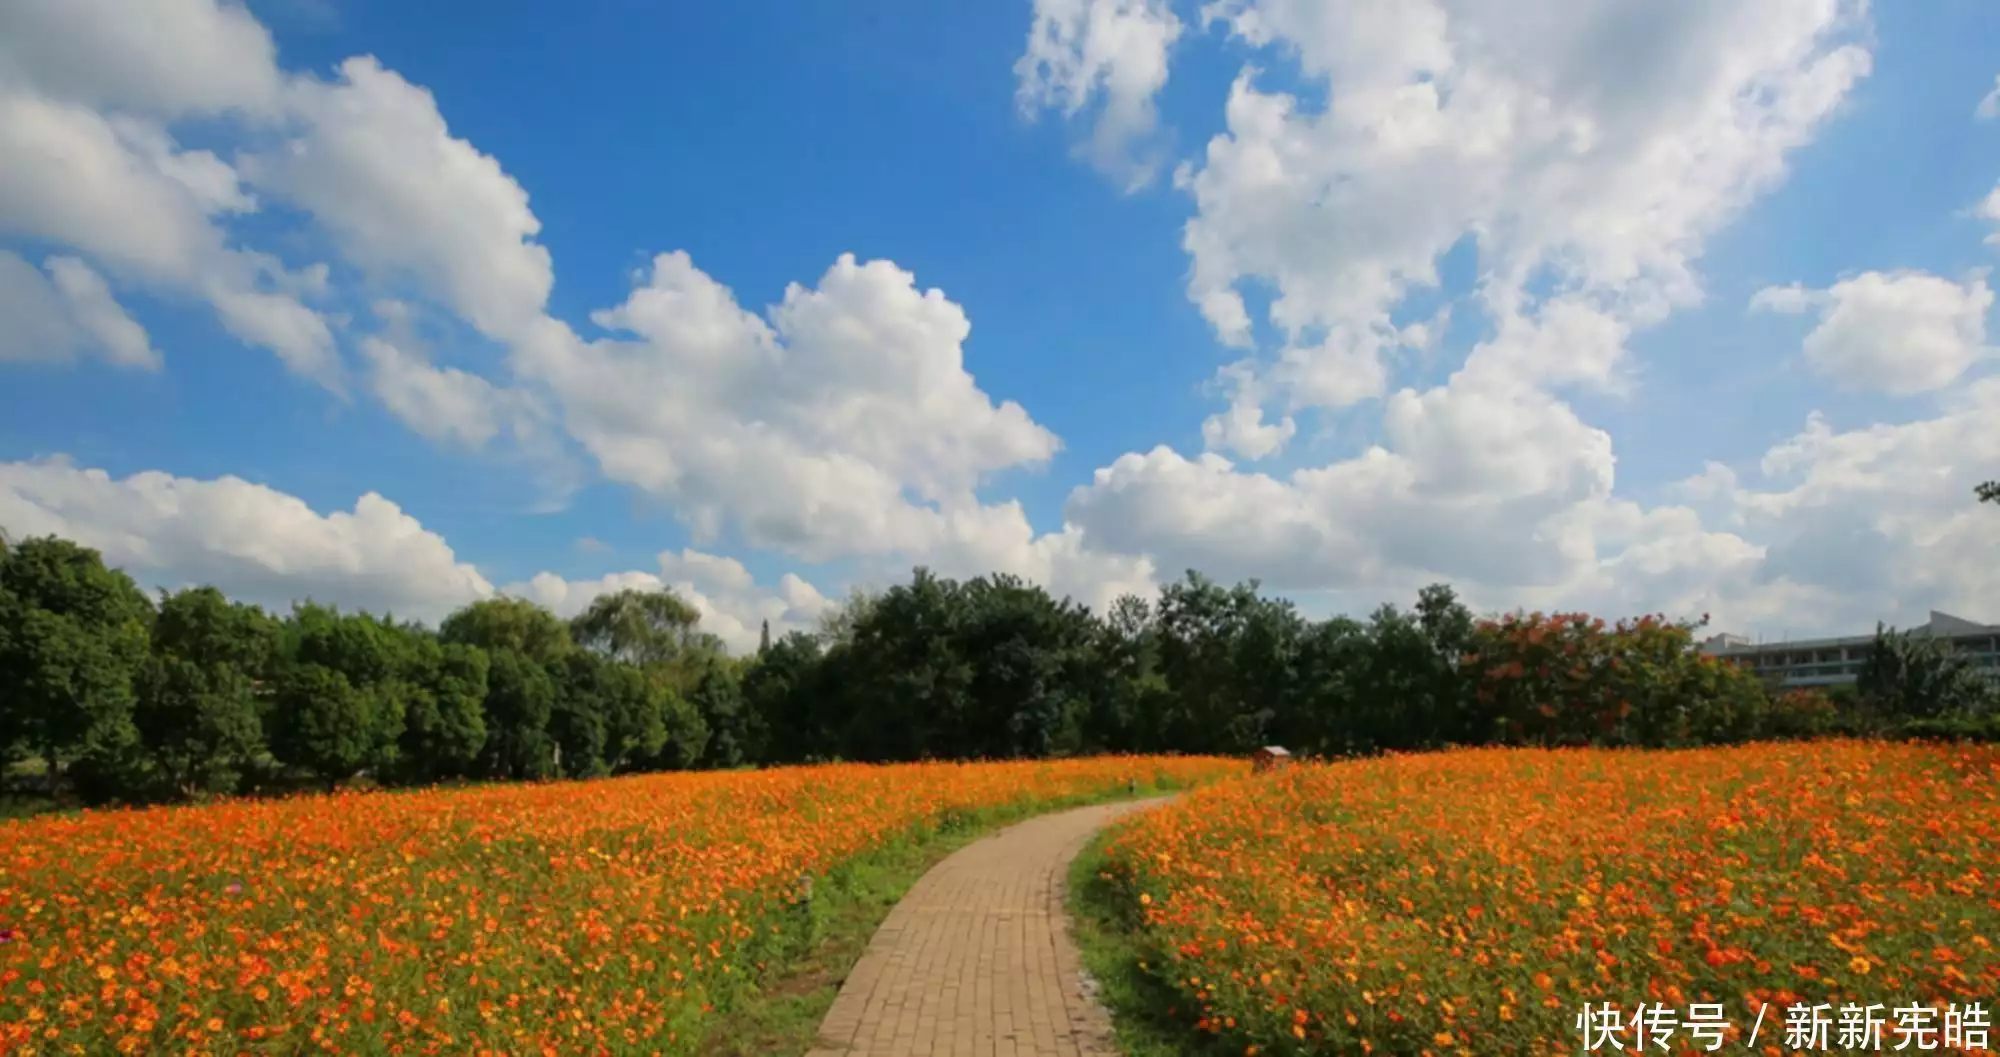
(107,694)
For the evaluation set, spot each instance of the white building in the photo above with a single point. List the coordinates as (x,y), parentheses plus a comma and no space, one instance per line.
(1827,662)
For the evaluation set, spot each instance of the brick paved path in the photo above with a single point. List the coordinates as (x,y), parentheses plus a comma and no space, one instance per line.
(976,961)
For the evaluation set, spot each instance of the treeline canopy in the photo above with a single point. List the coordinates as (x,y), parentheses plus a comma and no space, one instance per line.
(121,696)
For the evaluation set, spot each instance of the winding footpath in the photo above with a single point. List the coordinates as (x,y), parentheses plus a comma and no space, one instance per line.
(977,961)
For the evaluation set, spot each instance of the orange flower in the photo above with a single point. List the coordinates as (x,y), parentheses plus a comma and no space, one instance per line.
(1743,874)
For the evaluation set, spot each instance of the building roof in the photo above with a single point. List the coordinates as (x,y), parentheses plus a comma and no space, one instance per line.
(1941,624)
(1275,750)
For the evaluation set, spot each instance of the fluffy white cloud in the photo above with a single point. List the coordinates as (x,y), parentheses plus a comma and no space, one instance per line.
(1897,332)
(1080,50)
(441,403)
(166,58)
(1594,144)
(731,603)
(1586,152)
(69,311)
(830,429)
(1989,107)
(122,193)
(262,545)
(1242,429)
(1881,516)
(374,162)
(254,542)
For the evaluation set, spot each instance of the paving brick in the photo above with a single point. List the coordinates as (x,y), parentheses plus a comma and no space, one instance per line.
(977,961)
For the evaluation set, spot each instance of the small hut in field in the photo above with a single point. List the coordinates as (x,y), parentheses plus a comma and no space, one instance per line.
(1270,758)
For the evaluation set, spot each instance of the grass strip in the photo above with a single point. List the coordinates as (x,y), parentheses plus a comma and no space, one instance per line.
(1145,1012)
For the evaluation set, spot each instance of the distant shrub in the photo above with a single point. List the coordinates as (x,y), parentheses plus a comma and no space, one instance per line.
(1800,714)
(1953,728)
(1569,679)
(1910,675)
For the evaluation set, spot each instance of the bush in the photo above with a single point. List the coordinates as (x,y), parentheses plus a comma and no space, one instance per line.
(1953,728)
(1799,714)
(1568,679)
(1910,675)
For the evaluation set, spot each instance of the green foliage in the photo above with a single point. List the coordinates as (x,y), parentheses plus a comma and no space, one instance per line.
(608,717)
(127,703)
(73,638)
(1962,727)
(1988,492)
(789,690)
(444,721)
(1911,675)
(736,736)
(327,725)
(639,627)
(513,625)
(520,701)
(576,722)
(197,710)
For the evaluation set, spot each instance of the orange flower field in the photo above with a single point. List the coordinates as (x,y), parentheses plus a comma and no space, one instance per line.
(557,918)
(1473,902)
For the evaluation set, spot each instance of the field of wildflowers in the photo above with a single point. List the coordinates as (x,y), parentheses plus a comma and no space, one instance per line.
(1475,901)
(608,916)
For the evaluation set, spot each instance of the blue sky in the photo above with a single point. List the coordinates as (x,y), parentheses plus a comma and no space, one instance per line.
(1717,334)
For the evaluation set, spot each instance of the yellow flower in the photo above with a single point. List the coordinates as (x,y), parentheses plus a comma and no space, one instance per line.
(1859,965)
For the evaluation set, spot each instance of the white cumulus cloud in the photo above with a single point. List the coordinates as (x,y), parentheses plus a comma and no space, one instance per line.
(1896,332)
(68,311)
(840,425)
(1110,56)
(254,542)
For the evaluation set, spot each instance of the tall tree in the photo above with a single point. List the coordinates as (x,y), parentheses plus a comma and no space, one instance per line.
(520,701)
(1913,674)
(793,696)
(72,638)
(513,624)
(1988,492)
(197,710)
(735,734)
(444,724)
(639,627)
(325,724)
(838,621)
(528,651)
(343,691)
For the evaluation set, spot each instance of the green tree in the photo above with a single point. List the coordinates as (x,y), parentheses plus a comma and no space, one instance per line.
(838,621)
(73,637)
(639,627)
(520,701)
(444,724)
(609,717)
(1988,492)
(325,724)
(576,720)
(513,625)
(197,709)
(1127,694)
(736,735)
(1914,675)
(637,711)
(1230,657)
(906,683)
(791,696)
(1028,654)
(363,666)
